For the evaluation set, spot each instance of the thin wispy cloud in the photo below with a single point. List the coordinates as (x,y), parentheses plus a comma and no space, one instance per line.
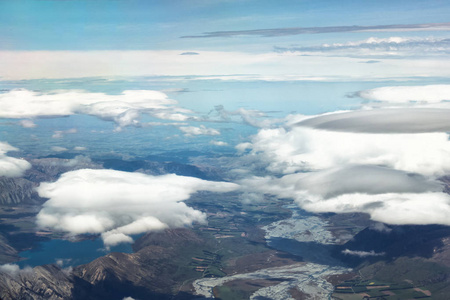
(275,32)
(215,65)
(382,47)
(202,130)
(190,53)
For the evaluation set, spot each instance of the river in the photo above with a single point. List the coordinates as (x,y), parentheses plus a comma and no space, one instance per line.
(304,235)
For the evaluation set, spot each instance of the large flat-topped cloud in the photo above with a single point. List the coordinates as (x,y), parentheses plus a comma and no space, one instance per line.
(118,204)
(398,120)
(360,179)
(383,162)
(386,195)
(289,150)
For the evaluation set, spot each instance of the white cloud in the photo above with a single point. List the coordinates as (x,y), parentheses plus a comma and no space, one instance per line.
(362,253)
(79,148)
(118,204)
(57,134)
(380,227)
(407,208)
(10,166)
(62,261)
(128,298)
(59,149)
(123,109)
(267,66)
(307,149)
(406,94)
(378,47)
(397,120)
(400,206)
(10,268)
(219,143)
(202,130)
(78,161)
(13,269)
(390,176)
(27,124)
(254,118)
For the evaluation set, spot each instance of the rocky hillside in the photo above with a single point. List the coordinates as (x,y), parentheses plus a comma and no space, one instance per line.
(43,282)
(149,273)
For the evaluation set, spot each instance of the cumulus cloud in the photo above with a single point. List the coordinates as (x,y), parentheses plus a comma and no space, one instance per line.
(366,179)
(123,109)
(118,204)
(401,204)
(399,120)
(61,262)
(362,253)
(57,134)
(380,227)
(10,268)
(27,124)
(13,269)
(253,118)
(289,150)
(10,166)
(430,94)
(219,143)
(383,162)
(202,130)
(78,161)
(79,148)
(59,149)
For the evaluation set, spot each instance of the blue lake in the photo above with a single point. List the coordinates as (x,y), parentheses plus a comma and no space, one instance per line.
(72,253)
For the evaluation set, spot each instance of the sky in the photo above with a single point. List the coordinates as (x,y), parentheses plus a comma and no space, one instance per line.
(296,39)
(342,106)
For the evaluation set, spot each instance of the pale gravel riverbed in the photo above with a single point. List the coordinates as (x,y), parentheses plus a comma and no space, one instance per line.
(307,277)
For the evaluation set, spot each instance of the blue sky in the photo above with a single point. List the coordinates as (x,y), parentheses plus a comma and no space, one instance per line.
(151,25)
(269,40)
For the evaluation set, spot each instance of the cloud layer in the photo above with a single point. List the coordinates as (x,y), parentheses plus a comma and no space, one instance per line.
(119,204)
(202,130)
(387,195)
(305,149)
(10,166)
(123,109)
(330,29)
(377,47)
(406,120)
(383,162)
(214,65)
